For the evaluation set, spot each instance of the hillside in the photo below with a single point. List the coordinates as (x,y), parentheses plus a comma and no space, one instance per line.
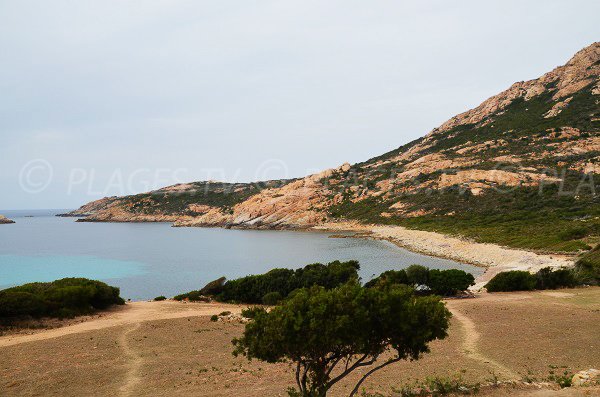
(517,170)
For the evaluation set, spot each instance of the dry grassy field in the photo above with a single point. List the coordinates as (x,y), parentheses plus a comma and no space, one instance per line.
(173,349)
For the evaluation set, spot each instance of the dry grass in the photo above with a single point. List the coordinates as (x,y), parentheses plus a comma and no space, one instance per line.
(191,356)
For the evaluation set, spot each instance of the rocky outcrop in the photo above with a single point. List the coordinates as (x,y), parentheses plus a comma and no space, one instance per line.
(508,141)
(4,220)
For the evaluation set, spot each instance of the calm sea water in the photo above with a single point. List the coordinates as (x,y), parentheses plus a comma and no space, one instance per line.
(150,259)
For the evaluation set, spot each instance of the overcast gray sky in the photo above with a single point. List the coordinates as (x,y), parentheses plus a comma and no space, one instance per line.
(114,97)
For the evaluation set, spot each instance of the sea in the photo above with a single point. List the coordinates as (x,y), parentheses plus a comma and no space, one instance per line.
(146,260)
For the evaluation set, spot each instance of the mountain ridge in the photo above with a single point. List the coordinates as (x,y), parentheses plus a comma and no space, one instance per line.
(470,176)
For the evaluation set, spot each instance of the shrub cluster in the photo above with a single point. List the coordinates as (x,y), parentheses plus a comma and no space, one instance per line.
(546,278)
(270,288)
(67,297)
(587,269)
(194,296)
(439,282)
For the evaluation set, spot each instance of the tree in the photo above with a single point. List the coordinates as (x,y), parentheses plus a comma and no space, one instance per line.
(330,333)
(449,282)
(417,274)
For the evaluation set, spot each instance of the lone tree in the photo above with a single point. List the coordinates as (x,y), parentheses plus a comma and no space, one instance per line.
(328,334)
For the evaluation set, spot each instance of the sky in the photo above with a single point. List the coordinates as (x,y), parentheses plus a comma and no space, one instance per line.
(101,98)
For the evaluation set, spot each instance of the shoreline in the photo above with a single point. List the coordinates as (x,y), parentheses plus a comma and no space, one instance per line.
(493,258)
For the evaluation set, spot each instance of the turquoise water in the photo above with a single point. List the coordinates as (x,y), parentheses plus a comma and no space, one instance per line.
(150,259)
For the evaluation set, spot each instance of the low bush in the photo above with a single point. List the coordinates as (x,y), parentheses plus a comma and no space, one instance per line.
(214,318)
(587,268)
(439,282)
(417,275)
(449,282)
(252,312)
(272,298)
(514,280)
(193,296)
(67,297)
(253,289)
(547,278)
(160,298)
(214,287)
(389,277)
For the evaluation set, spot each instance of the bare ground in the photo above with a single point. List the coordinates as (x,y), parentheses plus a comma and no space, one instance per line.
(173,349)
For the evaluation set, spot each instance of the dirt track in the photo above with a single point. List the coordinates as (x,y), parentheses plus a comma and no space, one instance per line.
(172,349)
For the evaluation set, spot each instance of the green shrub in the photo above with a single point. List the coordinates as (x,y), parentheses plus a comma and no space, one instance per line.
(160,298)
(193,296)
(390,277)
(66,297)
(587,268)
(547,278)
(449,282)
(272,298)
(417,275)
(317,329)
(225,313)
(214,287)
(514,280)
(252,289)
(439,282)
(214,318)
(253,311)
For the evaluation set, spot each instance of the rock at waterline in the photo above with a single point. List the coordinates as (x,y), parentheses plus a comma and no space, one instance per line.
(5,220)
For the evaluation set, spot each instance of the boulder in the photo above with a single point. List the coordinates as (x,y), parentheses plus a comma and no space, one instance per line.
(586,377)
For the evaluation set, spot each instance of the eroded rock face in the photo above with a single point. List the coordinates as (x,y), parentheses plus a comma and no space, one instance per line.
(4,220)
(510,140)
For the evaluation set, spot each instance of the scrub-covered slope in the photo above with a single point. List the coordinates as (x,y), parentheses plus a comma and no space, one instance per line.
(516,170)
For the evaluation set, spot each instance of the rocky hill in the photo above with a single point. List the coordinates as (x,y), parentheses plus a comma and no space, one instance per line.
(516,170)
(5,220)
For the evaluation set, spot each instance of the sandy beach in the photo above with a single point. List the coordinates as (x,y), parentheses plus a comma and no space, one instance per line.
(492,257)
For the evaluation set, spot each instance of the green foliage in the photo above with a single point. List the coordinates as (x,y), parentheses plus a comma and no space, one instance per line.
(553,279)
(390,277)
(67,297)
(214,287)
(252,312)
(449,282)
(214,318)
(565,379)
(160,298)
(440,282)
(318,328)
(252,289)
(587,268)
(193,296)
(515,280)
(546,278)
(225,313)
(272,298)
(417,275)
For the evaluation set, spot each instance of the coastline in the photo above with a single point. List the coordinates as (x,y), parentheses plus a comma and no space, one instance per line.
(492,257)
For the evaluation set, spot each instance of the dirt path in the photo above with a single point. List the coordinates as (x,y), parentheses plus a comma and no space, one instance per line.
(133,313)
(471,346)
(134,363)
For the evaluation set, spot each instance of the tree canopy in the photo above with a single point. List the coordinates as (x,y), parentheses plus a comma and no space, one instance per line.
(330,333)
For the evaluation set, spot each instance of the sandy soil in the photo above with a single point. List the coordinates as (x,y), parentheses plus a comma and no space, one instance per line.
(493,258)
(173,349)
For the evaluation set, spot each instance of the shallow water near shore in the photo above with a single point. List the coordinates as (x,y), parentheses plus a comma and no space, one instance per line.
(150,259)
